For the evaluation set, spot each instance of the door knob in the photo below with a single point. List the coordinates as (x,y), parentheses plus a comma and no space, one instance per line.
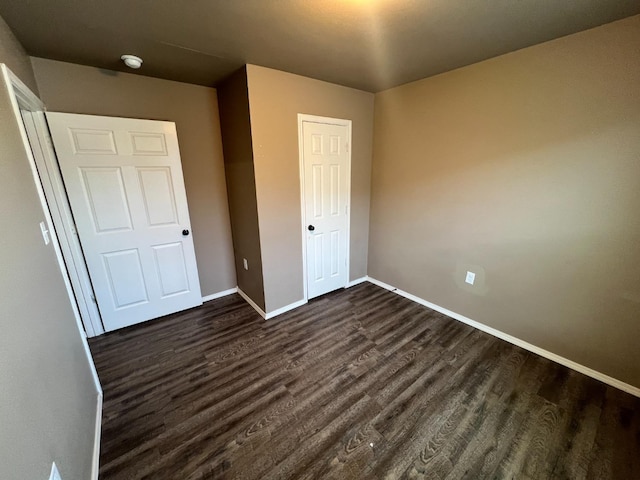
(311,228)
(185,232)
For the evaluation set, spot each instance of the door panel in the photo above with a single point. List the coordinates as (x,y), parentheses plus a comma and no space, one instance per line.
(126,281)
(335,253)
(334,193)
(326,164)
(170,265)
(148,144)
(159,197)
(126,190)
(92,142)
(106,198)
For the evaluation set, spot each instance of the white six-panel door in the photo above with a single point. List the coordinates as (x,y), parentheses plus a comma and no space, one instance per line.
(326,192)
(126,190)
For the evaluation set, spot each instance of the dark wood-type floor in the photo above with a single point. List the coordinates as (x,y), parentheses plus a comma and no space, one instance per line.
(360,383)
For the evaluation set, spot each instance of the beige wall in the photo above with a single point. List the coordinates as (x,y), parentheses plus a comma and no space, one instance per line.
(525,169)
(275,99)
(12,53)
(66,87)
(47,394)
(235,124)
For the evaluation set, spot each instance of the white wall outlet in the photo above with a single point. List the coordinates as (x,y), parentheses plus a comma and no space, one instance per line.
(471,278)
(45,233)
(245,263)
(55,474)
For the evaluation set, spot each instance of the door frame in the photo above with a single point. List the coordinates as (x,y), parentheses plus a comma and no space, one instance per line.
(48,177)
(55,194)
(303,117)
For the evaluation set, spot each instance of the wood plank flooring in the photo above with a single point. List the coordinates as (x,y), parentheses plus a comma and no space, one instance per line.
(358,384)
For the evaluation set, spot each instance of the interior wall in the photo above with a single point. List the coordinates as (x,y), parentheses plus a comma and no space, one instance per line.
(12,53)
(48,397)
(525,170)
(233,98)
(66,87)
(275,99)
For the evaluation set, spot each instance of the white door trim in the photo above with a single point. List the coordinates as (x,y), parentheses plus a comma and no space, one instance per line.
(22,96)
(302,117)
(58,205)
(54,190)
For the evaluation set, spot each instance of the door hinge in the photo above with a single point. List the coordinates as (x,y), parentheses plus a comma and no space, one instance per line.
(346,146)
(73,228)
(93,299)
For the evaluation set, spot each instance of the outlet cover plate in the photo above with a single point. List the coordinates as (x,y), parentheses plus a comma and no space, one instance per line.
(471,278)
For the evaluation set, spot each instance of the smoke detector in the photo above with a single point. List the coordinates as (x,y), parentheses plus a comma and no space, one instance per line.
(132,61)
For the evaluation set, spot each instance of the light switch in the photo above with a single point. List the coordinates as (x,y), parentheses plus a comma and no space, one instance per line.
(45,233)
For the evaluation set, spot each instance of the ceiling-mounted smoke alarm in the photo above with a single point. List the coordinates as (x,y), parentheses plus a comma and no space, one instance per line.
(131,61)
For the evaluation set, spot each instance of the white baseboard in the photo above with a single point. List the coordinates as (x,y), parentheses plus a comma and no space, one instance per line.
(285,309)
(223,293)
(357,281)
(96,441)
(299,303)
(515,341)
(278,311)
(252,303)
(274,313)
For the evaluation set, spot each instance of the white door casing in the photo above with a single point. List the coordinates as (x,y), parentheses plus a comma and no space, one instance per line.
(42,147)
(126,190)
(325,168)
(22,98)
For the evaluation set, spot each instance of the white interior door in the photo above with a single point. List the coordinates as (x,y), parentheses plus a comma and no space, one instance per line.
(326,163)
(126,190)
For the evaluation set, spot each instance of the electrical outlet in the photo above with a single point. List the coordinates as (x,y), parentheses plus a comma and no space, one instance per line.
(55,474)
(471,277)
(245,263)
